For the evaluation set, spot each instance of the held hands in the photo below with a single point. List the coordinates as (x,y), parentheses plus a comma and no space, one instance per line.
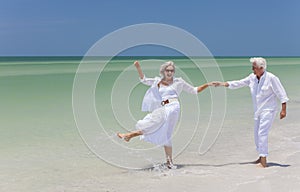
(210,84)
(213,83)
(216,83)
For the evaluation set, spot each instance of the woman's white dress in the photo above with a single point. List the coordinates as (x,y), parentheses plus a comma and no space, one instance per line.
(158,125)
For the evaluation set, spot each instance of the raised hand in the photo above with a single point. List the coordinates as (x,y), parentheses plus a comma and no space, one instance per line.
(139,69)
(137,64)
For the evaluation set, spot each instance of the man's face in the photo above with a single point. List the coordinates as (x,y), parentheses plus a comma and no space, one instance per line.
(258,71)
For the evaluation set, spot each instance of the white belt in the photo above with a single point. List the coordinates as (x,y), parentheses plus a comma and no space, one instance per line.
(168,101)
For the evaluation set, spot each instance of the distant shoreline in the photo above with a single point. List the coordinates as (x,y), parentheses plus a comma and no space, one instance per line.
(53,58)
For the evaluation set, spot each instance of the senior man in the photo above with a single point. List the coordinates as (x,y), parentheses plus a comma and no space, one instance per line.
(265,89)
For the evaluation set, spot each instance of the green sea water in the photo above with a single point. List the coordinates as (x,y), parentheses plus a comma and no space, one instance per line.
(38,134)
(36,92)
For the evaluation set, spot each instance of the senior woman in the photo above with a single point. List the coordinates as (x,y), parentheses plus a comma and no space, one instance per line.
(161,100)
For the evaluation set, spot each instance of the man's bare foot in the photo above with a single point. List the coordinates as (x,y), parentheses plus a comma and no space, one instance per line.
(263,162)
(257,161)
(124,136)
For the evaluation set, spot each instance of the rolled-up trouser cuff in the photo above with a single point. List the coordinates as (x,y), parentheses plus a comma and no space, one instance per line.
(263,155)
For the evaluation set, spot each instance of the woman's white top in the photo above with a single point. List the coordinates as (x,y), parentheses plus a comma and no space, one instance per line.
(264,92)
(155,95)
(167,92)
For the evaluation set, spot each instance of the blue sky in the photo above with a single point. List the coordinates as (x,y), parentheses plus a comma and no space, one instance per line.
(227,28)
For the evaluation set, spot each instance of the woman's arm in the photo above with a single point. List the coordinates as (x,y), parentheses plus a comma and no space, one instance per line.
(139,69)
(193,90)
(143,79)
(204,86)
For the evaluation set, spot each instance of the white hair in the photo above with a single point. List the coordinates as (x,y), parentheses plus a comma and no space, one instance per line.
(259,61)
(164,66)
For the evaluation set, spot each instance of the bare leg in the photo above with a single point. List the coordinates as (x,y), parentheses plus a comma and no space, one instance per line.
(168,152)
(128,136)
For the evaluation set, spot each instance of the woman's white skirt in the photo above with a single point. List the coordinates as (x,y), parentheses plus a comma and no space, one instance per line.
(158,126)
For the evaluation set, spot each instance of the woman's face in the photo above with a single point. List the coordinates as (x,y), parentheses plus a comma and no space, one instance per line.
(169,72)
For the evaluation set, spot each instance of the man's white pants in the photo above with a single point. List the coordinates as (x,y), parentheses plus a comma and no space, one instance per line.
(262,125)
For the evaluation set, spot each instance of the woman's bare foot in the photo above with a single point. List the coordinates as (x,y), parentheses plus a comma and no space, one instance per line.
(124,136)
(128,136)
(170,164)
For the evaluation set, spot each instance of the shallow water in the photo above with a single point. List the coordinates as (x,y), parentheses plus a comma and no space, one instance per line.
(43,150)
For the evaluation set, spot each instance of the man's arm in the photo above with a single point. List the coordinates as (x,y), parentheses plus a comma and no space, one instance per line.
(283,111)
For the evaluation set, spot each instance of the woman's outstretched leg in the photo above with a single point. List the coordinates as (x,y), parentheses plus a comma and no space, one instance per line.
(128,136)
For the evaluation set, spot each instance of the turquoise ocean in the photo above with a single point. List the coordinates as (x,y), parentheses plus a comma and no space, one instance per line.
(42,149)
